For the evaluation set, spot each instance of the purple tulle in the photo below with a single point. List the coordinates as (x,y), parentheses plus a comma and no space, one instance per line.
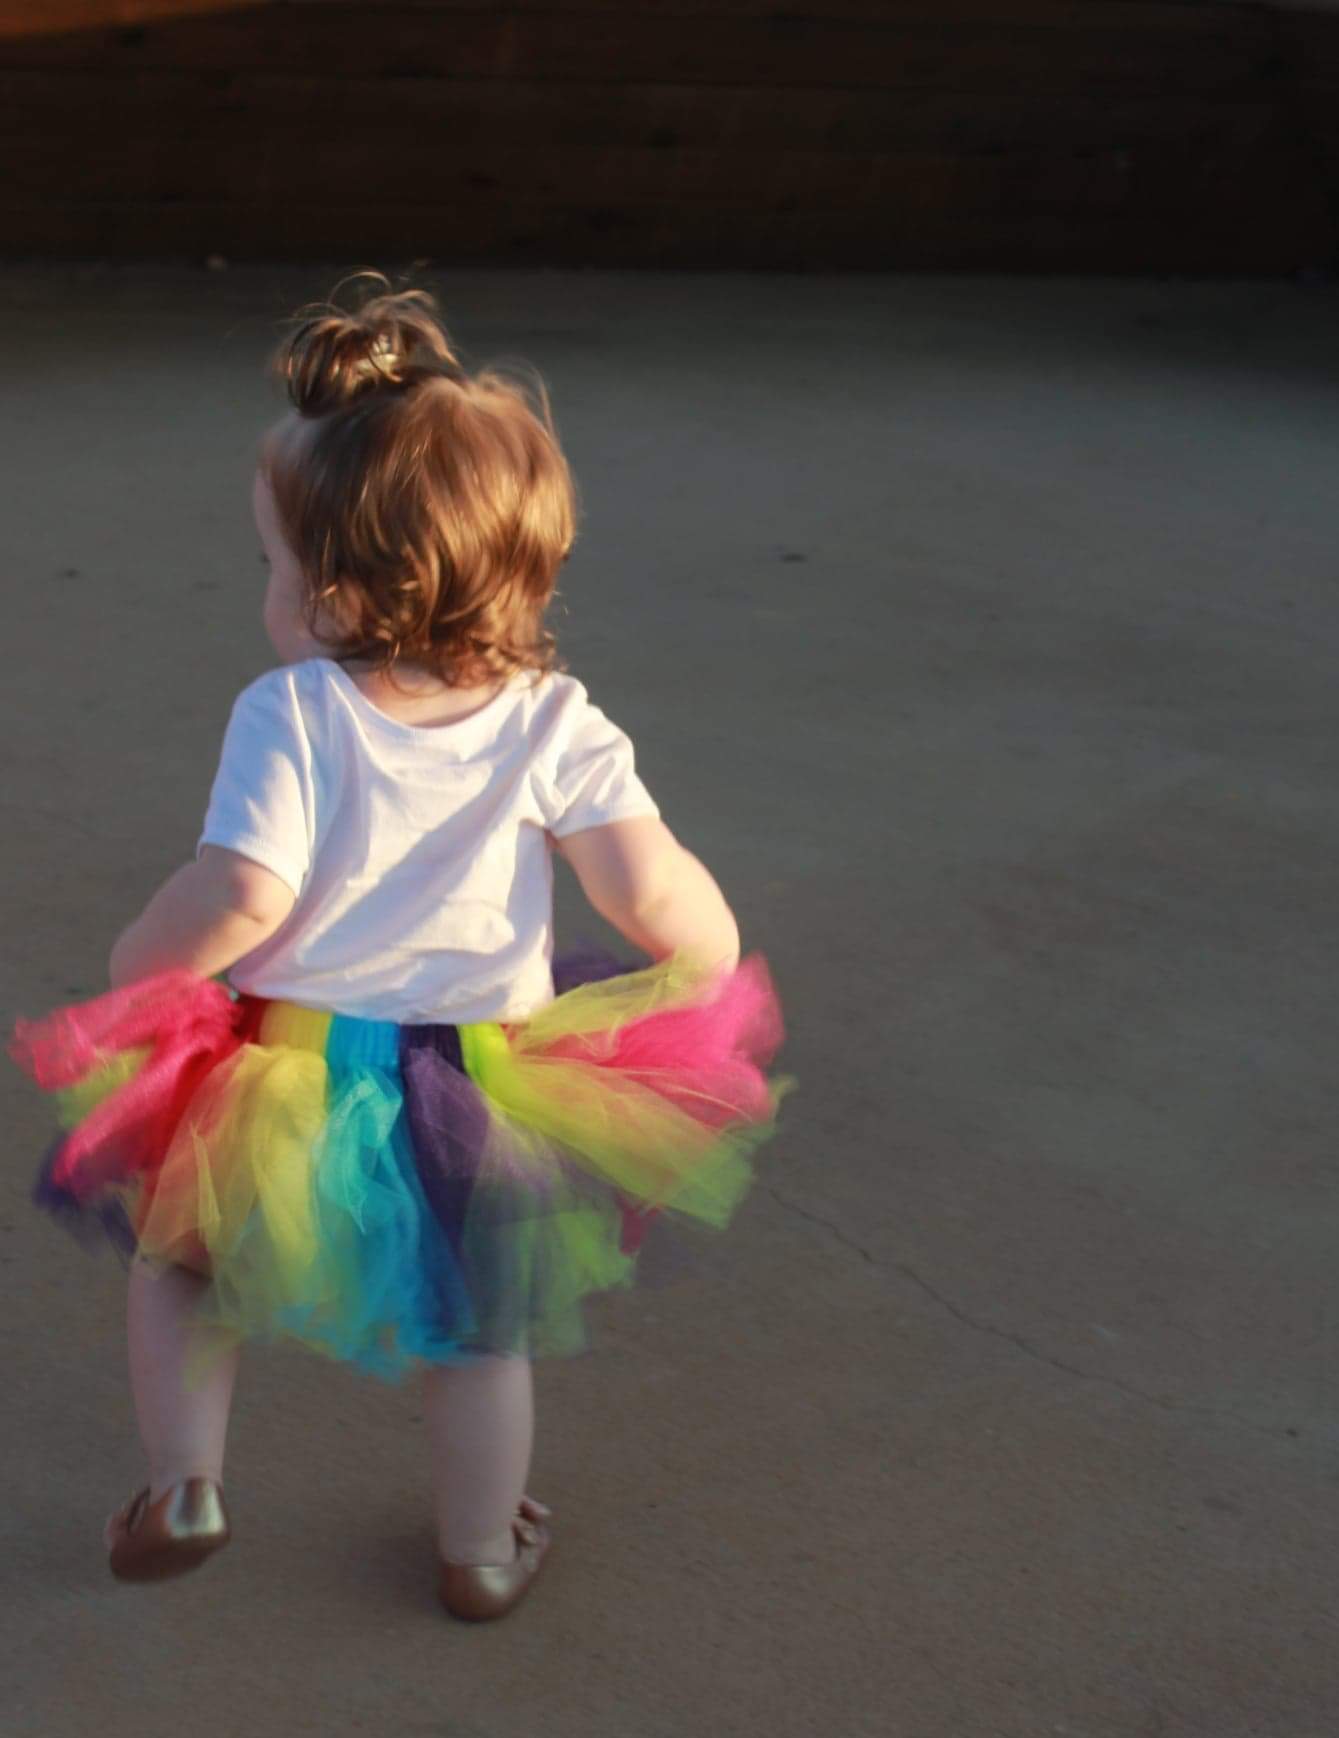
(586,964)
(91,1223)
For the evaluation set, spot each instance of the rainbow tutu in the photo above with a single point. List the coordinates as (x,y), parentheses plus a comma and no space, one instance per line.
(394,1194)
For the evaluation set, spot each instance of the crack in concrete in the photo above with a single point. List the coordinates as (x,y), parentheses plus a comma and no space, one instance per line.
(1017,1340)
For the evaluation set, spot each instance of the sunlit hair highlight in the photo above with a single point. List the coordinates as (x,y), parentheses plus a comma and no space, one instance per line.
(429,508)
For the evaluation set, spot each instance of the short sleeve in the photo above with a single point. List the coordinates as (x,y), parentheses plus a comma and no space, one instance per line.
(260,804)
(594,780)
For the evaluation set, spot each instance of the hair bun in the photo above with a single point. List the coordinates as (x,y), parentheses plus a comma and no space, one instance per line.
(394,340)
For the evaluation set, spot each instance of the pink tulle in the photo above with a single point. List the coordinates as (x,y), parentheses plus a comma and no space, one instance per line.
(189,1024)
(738,1021)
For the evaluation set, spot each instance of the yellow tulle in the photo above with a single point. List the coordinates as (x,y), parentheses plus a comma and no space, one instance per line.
(240,1164)
(627,1135)
(613,1002)
(73,1103)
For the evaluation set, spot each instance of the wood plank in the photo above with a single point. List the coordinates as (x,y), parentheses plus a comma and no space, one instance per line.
(885,188)
(48,17)
(43,17)
(1196,54)
(205,167)
(1310,43)
(1142,15)
(1311,40)
(462,114)
(488,234)
(871,11)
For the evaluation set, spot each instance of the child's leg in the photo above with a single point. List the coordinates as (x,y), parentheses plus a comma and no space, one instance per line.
(182,1406)
(481,1421)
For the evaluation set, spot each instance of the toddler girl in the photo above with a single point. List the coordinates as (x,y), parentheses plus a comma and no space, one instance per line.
(398,1130)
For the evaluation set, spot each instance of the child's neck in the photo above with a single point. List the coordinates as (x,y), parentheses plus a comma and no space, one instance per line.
(417,695)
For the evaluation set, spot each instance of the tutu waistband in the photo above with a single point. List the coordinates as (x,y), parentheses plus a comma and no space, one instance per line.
(351,1041)
(346,1038)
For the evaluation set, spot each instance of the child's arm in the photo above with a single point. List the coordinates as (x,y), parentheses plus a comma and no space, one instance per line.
(205,918)
(659,897)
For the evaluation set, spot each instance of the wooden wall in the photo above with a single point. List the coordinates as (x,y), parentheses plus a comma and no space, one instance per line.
(1107,135)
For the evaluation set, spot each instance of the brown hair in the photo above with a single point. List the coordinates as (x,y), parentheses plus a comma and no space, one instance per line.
(428,508)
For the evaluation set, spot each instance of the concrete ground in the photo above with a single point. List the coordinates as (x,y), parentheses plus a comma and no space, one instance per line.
(981,636)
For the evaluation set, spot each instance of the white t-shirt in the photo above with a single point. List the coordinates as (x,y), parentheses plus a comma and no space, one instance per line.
(418,853)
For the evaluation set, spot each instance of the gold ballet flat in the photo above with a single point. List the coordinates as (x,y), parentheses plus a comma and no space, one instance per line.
(152,1541)
(481,1592)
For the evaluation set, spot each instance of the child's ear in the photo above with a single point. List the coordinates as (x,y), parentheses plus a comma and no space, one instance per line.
(335,607)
